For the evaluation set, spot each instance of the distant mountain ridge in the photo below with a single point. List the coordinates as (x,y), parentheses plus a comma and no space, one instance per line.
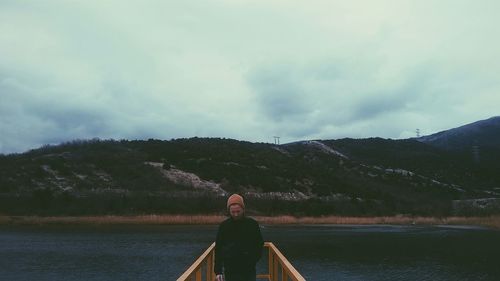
(432,175)
(484,133)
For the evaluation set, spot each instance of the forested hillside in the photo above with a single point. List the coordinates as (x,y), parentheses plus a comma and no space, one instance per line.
(345,177)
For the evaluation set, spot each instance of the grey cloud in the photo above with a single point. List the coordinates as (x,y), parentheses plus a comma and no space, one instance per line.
(164,69)
(36,116)
(279,95)
(75,120)
(382,102)
(298,100)
(372,107)
(305,100)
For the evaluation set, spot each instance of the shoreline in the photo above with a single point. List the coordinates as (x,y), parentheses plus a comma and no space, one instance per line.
(491,221)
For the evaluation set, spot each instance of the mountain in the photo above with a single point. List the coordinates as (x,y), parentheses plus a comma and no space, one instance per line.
(484,133)
(371,176)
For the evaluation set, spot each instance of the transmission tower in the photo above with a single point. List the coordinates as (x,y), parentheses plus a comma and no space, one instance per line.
(476,153)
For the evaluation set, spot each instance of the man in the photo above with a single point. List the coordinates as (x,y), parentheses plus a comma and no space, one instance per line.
(238,245)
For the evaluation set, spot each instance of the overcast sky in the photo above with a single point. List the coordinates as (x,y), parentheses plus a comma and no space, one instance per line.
(248,70)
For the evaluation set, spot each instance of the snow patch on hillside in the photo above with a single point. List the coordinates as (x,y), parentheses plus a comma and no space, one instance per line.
(57,180)
(281,150)
(287,196)
(325,148)
(188,179)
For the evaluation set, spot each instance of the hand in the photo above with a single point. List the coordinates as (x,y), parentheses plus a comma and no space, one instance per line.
(219,277)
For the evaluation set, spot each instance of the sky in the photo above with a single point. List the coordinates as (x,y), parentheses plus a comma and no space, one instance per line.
(247,70)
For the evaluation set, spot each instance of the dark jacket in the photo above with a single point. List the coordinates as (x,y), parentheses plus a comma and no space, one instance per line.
(238,246)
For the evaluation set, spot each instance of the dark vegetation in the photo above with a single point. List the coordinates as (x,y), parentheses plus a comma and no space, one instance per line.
(377,177)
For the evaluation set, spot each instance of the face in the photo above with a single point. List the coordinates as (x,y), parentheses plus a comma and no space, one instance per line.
(236,211)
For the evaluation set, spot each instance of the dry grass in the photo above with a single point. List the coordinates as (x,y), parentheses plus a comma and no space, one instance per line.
(493,221)
(145,219)
(4,219)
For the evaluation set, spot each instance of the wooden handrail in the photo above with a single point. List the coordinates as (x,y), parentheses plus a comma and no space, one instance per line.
(287,268)
(278,266)
(195,268)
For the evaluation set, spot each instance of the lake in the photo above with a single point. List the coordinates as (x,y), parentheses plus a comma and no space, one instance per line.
(319,252)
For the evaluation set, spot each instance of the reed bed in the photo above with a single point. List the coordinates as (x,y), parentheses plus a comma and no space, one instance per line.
(4,219)
(335,220)
(110,220)
(492,221)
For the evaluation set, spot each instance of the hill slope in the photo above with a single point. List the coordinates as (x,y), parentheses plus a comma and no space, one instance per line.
(484,133)
(347,177)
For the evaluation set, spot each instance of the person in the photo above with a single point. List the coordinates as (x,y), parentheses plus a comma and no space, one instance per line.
(238,245)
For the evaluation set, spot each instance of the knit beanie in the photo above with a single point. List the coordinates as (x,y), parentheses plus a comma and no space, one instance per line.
(235,199)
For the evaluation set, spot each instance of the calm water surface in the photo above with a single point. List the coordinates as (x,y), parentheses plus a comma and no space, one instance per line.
(318,252)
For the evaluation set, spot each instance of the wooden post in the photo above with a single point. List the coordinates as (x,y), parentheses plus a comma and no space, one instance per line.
(270,264)
(198,274)
(210,267)
(284,275)
(275,268)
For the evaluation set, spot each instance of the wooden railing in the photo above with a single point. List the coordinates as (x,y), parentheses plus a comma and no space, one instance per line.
(279,268)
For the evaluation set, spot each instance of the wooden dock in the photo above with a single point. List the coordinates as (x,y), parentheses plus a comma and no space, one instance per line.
(278,269)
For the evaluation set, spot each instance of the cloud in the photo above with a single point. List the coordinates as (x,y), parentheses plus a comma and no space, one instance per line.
(279,93)
(243,69)
(309,98)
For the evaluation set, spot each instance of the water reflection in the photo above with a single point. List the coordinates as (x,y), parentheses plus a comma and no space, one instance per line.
(391,252)
(318,252)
